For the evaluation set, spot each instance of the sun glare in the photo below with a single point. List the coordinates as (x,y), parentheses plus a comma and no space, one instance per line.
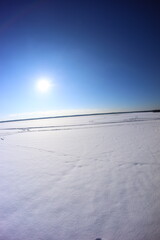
(43,85)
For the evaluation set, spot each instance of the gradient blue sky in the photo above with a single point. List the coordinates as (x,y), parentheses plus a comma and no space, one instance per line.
(99,55)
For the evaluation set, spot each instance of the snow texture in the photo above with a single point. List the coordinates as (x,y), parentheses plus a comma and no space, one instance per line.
(81,178)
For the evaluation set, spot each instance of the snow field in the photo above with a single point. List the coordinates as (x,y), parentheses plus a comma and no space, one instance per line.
(81,178)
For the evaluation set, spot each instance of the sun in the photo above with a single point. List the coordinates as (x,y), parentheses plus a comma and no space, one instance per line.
(43,85)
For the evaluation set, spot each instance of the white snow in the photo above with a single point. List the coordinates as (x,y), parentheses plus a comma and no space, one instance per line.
(81,178)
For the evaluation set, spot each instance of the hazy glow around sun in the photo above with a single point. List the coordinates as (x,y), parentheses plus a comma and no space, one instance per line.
(43,85)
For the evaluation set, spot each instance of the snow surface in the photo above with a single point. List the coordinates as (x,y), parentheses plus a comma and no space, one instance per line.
(81,178)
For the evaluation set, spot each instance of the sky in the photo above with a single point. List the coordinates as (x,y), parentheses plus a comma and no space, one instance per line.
(99,54)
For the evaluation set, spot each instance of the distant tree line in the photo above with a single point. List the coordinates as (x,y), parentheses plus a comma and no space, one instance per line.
(156,110)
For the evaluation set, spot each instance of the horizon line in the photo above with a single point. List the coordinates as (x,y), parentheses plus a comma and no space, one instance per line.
(77,115)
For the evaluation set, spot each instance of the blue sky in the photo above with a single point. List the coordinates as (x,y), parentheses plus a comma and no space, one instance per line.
(98,54)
